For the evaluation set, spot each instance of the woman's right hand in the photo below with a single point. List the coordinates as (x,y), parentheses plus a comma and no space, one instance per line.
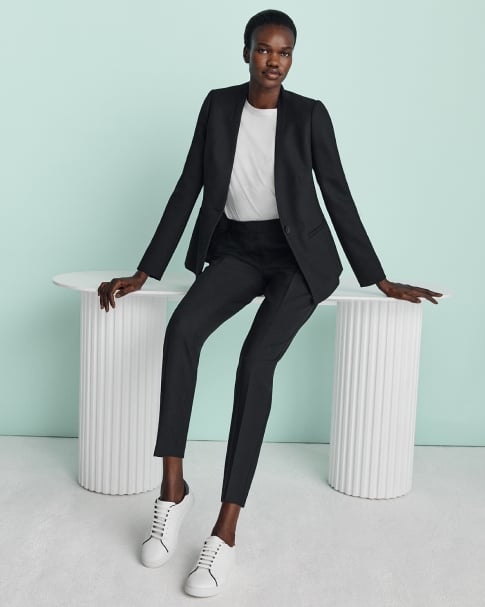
(118,287)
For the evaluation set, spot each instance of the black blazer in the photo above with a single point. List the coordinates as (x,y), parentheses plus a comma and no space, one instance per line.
(305,140)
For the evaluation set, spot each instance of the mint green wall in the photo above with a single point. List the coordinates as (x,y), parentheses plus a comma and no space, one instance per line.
(99,100)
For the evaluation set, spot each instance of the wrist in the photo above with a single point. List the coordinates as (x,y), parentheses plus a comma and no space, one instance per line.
(382,284)
(140,276)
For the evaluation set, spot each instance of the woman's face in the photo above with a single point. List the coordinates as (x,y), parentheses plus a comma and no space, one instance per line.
(270,55)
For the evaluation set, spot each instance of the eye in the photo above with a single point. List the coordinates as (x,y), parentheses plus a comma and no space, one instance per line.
(262,50)
(286,53)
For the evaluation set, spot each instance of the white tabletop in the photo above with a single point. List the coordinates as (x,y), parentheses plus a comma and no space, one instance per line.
(175,285)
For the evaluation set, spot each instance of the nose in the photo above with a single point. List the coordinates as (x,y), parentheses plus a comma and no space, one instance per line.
(273,59)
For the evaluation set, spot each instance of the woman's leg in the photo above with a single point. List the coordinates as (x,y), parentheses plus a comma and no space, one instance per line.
(223,288)
(225,526)
(287,306)
(172,488)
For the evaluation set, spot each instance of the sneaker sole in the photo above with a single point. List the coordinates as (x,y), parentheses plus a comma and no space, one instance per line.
(202,591)
(157,563)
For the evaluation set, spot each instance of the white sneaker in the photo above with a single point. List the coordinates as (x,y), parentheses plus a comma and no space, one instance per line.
(167,518)
(212,569)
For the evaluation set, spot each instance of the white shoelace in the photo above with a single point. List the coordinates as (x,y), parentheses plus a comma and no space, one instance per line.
(208,554)
(160,519)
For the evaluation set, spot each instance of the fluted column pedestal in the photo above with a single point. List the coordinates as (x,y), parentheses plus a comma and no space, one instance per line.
(374,397)
(121,361)
(374,403)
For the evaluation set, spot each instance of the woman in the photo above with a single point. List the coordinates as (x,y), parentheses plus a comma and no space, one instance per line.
(261,230)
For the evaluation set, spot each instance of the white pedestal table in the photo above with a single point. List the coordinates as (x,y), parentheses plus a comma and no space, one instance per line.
(374,393)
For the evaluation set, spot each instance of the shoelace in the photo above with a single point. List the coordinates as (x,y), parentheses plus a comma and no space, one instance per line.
(160,518)
(207,555)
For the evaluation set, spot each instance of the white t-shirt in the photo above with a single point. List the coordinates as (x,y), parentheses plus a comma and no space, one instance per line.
(251,194)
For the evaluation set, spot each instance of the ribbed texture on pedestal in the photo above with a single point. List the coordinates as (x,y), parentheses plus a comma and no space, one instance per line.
(121,359)
(374,400)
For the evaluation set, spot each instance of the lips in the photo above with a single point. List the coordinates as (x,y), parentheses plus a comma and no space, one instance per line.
(272,74)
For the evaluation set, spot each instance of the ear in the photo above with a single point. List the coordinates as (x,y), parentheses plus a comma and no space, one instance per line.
(246,54)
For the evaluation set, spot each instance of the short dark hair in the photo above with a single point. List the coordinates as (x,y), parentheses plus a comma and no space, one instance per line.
(267,17)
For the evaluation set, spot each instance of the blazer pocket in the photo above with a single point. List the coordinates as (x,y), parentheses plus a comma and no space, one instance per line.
(316,229)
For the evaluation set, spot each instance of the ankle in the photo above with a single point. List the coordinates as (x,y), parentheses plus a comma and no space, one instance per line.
(228,536)
(172,491)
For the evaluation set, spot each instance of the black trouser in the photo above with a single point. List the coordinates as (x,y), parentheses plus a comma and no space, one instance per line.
(251,258)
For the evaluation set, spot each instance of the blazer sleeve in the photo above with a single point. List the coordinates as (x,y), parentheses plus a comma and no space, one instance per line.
(181,202)
(339,202)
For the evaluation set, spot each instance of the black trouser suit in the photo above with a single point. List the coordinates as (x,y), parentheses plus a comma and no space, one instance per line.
(248,259)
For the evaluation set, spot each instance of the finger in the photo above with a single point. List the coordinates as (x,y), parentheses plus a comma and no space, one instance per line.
(124,288)
(104,297)
(410,297)
(113,286)
(427,292)
(111,298)
(123,292)
(430,298)
(435,293)
(429,295)
(104,302)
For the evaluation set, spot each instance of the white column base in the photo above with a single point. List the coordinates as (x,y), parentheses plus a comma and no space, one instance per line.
(374,398)
(121,361)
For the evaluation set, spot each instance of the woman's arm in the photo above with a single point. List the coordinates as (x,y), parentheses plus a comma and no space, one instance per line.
(345,217)
(180,204)
(172,223)
(339,202)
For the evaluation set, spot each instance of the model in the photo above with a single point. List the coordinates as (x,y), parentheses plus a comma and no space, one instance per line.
(261,230)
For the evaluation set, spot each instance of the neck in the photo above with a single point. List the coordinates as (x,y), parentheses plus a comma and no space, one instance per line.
(263,98)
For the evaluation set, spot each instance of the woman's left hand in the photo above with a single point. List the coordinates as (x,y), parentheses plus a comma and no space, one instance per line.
(407,292)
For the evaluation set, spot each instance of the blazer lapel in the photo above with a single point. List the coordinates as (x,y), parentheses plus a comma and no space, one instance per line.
(281,118)
(225,140)
(234,120)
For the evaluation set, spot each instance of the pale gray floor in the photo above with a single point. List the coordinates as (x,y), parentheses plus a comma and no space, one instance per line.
(299,542)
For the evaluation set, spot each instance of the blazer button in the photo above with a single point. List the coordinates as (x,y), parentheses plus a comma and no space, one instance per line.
(287,229)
